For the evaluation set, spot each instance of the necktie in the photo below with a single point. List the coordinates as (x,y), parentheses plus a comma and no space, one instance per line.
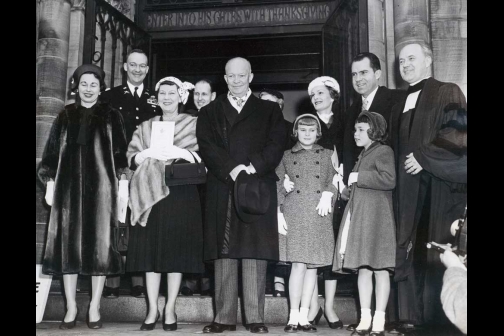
(364,105)
(137,98)
(238,101)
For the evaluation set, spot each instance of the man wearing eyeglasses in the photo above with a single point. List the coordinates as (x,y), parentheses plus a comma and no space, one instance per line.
(136,105)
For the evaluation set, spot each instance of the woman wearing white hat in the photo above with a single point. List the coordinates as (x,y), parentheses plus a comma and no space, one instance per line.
(167,232)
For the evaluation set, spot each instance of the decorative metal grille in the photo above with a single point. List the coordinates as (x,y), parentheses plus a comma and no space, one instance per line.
(111,23)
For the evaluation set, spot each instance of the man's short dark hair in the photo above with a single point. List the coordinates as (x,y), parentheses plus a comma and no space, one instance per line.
(374,61)
(138,51)
(208,81)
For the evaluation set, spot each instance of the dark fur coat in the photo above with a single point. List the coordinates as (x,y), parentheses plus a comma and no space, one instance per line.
(81,230)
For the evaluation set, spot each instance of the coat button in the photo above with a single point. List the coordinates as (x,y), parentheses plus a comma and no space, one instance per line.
(317,151)
(318,191)
(120,107)
(136,117)
(295,162)
(317,176)
(137,108)
(297,176)
(136,126)
(316,162)
(298,191)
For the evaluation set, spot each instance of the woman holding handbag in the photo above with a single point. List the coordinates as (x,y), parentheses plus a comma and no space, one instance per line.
(85,156)
(167,232)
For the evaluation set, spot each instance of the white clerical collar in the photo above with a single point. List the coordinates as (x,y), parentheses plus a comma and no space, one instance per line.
(369,98)
(233,102)
(419,81)
(412,97)
(325,117)
(132,89)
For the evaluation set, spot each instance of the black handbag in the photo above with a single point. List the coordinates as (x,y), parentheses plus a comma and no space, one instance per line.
(122,235)
(185,173)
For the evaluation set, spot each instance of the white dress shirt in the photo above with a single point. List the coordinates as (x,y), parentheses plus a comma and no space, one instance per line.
(233,102)
(132,89)
(369,99)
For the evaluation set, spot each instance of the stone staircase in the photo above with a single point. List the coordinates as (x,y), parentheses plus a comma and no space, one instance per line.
(190,309)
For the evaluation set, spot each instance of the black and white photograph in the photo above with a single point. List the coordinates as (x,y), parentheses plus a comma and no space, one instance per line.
(251,166)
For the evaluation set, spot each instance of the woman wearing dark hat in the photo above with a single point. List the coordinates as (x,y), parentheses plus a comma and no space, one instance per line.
(366,241)
(167,232)
(85,156)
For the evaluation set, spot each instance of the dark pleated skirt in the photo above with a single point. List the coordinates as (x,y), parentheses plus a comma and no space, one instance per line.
(172,240)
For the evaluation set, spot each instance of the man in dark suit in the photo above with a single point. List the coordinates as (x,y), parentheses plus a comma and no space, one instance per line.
(238,134)
(136,104)
(366,71)
(429,138)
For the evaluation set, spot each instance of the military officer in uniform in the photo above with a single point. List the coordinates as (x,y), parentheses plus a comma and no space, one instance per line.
(136,105)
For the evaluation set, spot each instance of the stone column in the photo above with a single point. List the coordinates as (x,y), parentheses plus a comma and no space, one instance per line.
(76,41)
(411,24)
(52,61)
(377,41)
(390,45)
(449,41)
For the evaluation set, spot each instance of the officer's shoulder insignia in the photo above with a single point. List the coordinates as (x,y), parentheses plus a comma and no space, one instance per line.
(152,100)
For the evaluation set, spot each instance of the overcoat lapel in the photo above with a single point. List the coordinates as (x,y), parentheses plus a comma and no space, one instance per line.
(248,109)
(380,99)
(423,110)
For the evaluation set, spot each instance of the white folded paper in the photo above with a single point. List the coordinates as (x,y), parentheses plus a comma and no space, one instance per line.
(122,200)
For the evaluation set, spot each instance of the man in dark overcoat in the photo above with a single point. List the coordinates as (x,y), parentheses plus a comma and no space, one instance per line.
(136,105)
(239,132)
(429,136)
(366,72)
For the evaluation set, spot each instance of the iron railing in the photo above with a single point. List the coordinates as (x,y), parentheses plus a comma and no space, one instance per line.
(120,29)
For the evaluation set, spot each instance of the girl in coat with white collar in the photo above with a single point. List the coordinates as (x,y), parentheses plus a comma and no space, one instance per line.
(366,241)
(309,241)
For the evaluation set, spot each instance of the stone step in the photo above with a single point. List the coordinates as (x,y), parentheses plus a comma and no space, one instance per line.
(190,309)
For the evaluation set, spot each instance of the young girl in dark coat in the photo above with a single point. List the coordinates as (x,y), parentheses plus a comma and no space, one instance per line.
(366,241)
(309,240)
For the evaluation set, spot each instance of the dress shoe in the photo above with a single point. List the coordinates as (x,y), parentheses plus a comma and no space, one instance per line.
(186,291)
(218,328)
(149,326)
(377,333)
(257,328)
(110,293)
(361,332)
(334,325)
(138,291)
(351,327)
(307,328)
(69,325)
(94,325)
(291,328)
(317,317)
(169,326)
(400,329)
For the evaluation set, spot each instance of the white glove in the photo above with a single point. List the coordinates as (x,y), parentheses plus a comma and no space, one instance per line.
(288,184)
(159,153)
(251,169)
(174,152)
(282,224)
(352,178)
(236,170)
(49,193)
(122,204)
(324,206)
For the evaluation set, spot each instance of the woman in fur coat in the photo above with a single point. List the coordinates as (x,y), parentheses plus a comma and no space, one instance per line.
(85,156)
(167,232)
